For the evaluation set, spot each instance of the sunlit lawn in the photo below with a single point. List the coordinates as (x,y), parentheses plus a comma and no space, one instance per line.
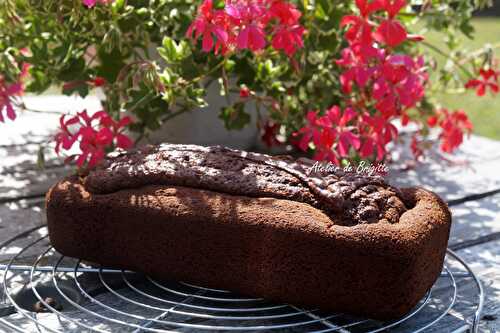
(483,111)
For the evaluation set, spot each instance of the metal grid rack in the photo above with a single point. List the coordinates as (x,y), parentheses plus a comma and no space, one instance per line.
(97,299)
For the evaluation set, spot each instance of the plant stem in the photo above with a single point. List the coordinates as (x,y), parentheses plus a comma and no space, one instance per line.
(146,98)
(481,51)
(23,107)
(225,83)
(447,56)
(139,138)
(213,69)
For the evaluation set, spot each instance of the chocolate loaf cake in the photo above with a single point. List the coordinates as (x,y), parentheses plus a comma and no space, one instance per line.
(255,224)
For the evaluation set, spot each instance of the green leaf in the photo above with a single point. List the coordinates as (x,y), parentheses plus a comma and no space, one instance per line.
(110,64)
(219,4)
(81,89)
(39,81)
(234,116)
(169,49)
(467,29)
(229,65)
(319,12)
(172,51)
(117,5)
(166,76)
(73,71)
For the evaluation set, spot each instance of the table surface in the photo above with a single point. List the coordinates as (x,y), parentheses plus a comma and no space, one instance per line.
(470,183)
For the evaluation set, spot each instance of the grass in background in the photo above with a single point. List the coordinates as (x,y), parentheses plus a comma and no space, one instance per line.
(484,112)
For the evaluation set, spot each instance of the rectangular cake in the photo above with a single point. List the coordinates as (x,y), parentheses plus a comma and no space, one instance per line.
(257,225)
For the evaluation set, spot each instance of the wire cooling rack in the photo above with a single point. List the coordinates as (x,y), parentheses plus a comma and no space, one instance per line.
(44,291)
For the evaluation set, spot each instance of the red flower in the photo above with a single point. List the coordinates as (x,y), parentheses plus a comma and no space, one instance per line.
(64,138)
(399,84)
(346,138)
(357,69)
(390,32)
(453,125)
(376,132)
(367,7)
(116,128)
(96,135)
(415,38)
(244,92)
(382,86)
(488,79)
(285,12)
(91,3)
(432,121)
(308,131)
(415,147)
(331,134)
(7,91)
(210,24)
(396,82)
(244,24)
(269,133)
(10,91)
(98,81)
(360,29)
(393,7)
(288,39)
(323,138)
(251,37)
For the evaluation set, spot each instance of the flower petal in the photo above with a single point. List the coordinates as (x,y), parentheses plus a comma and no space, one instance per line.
(391,33)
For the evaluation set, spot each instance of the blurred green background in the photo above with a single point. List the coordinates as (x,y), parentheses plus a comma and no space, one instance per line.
(483,111)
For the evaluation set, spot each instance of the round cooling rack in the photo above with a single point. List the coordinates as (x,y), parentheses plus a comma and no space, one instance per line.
(44,291)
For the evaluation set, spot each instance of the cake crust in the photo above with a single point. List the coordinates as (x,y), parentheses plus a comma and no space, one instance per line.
(272,247)
(348,198)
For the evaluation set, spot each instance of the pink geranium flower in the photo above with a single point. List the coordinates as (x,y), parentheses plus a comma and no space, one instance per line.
(95,134)
(390,32)
(376,132)
(269,133)
(332,134)
(244,92)
(488,79)
(8,91)
(380,86)
(243,24)
(251,37)
(92,3)
(288,39)
(453,127)
(210,24)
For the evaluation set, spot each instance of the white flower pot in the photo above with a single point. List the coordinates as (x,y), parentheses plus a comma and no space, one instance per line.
(202,126)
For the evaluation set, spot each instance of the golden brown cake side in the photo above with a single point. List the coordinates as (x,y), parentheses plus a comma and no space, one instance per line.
(274,248)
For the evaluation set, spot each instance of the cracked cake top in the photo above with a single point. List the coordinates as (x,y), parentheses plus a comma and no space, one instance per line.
(347,198)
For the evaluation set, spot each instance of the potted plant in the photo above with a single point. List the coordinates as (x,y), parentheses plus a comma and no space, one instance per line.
(330,78)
